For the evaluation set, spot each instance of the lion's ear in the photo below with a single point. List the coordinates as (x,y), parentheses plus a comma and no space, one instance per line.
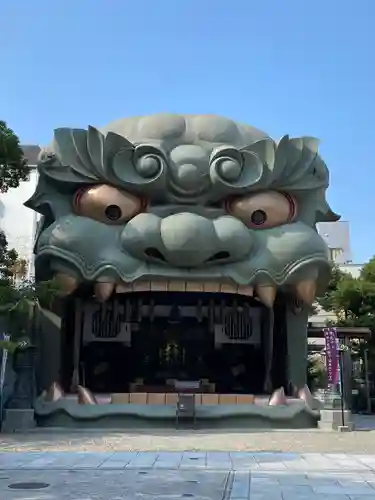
(328,216)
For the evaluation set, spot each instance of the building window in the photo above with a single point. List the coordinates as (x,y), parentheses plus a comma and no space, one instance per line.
(335,253)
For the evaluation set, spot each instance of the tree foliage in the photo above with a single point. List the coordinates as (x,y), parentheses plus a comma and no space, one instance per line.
(352,300)
(18,296)
(328,301)
(368,271)
(8,259)
(13,165)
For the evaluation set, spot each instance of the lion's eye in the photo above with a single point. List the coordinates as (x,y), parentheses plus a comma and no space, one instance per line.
(264,210)
(107,204)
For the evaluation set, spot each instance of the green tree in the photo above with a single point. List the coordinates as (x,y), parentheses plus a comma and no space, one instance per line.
(8,293)
(328,300)
(368,271)
(367,311)
(17,297)
(352,300)
(13,165)
(8,259)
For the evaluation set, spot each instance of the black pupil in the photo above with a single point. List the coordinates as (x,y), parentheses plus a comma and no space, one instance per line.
(258,217)
(113,212)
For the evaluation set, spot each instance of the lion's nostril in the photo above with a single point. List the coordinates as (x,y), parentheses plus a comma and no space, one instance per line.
(219,256)
(154,253)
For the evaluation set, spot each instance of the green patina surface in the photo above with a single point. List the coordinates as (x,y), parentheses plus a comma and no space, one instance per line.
(175,162)
(67,413)
(186,167)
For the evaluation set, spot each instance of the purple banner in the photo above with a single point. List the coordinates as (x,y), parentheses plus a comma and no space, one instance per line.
(332,355)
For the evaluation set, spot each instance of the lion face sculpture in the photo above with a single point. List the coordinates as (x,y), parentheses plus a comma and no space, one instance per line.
(183,203)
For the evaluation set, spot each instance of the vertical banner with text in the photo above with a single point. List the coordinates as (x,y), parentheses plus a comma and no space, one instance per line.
(6,338)
(4,359)
(332,355)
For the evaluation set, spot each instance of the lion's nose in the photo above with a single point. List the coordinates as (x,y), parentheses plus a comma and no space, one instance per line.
(186,239)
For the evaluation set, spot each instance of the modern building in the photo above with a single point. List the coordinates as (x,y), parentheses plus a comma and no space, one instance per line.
(16,221)
(337,237)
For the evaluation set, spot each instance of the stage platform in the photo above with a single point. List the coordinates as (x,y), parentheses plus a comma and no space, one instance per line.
(150,410)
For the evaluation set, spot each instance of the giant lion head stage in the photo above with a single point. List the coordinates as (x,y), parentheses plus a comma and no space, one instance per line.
(184,203)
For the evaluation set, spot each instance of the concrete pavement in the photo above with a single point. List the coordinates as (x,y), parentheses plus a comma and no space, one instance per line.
(299,441)
(178,475)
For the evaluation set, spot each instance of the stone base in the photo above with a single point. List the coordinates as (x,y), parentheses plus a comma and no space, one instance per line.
(18,420)
(67,413)
(345,428)
(331,420)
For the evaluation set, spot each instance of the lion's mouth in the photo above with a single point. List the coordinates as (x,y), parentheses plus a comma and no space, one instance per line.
(265,293)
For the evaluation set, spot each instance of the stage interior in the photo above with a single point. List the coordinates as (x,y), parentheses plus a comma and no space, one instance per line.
(145,342)
(137,353)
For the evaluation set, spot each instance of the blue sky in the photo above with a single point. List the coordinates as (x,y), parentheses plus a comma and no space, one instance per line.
(284,66)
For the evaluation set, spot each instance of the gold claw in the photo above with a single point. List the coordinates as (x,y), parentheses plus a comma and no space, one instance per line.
(66,284)
(85,397)
(305,395)
(266,294)
(54,393)
(103,291)
(245,290)
(306,291)
(278,398)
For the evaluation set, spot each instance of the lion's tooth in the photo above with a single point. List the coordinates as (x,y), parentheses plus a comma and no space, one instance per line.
(278,398)
(306,396)
(124,287)
(266,294)
(306,291)
(66,284)
(54,393)
(103,291)
(245,290)
(85,397)
(211,287)
(194,286)
(159,286)
(176,286)
(226,288)
(141,286)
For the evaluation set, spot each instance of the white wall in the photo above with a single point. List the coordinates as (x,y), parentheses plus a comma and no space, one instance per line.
(19,222)
(353,269)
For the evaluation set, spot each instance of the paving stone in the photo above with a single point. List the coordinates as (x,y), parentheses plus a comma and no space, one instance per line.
(128,484)
(118,460)
(354,489)
(266,496)
(272,466)
(361,497)
(316,496)
(166,475)
(240,486)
